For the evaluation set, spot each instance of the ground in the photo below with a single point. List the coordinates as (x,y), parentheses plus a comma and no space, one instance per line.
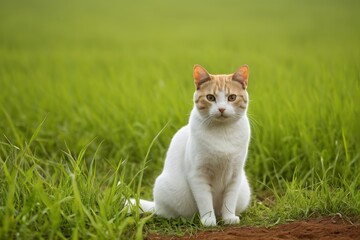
(320,228)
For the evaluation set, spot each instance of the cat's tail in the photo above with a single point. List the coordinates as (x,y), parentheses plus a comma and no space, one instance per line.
(143,205)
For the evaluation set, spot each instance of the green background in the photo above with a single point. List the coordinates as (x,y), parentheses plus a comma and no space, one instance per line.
(91,83)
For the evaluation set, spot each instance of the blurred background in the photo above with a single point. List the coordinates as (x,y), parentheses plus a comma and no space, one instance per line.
(114,73)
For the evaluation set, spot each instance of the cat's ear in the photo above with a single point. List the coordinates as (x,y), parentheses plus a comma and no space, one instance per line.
(200,76)
(241,76)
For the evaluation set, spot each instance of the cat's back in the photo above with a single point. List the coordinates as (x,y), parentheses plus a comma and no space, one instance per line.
(176,151)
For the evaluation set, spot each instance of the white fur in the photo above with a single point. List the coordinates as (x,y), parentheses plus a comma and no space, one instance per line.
(204,167)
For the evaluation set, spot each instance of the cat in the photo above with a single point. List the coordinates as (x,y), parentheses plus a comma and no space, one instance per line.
(204,166)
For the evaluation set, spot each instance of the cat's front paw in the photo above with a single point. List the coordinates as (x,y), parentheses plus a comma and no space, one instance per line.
(208,221)
(232,220)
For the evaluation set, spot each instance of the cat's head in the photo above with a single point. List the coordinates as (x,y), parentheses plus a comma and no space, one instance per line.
(221,97)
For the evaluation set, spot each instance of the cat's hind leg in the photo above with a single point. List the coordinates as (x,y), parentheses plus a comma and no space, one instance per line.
(173,197)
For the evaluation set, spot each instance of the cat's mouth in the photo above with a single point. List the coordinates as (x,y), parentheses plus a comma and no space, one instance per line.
(222,117)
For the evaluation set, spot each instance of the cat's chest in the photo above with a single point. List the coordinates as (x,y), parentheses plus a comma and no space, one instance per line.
(223,143)
(215,171)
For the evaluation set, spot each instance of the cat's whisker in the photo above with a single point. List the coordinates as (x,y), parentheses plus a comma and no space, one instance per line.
(207,121)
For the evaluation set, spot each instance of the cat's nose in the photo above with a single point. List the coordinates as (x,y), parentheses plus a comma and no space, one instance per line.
(221,110)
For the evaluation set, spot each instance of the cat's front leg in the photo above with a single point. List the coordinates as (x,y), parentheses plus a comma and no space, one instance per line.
(203,197)
(229,202)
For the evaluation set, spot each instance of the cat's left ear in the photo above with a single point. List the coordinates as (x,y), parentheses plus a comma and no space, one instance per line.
(200,76)
(241,76)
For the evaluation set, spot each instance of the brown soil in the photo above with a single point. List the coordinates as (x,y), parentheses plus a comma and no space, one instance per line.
(321,228)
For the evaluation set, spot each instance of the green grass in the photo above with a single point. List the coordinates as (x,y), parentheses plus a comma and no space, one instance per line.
(86,87)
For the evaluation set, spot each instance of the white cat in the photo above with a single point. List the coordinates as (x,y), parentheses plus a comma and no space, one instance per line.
(204,167)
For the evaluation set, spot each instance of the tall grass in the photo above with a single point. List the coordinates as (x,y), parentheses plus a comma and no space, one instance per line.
(86,86)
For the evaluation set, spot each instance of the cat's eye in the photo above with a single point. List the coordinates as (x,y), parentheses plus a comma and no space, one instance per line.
(211,98)
(231,97)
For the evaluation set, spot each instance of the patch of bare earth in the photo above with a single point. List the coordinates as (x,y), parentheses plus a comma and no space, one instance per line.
(321,228)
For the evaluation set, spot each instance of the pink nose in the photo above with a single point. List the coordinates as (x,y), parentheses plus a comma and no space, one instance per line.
(221,110)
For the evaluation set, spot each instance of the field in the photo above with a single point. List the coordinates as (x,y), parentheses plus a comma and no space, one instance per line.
(91,93)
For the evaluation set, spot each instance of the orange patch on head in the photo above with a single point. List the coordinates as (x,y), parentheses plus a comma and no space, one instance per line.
(200,100)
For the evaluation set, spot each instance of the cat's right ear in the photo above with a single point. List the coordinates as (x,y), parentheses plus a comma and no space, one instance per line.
(241,76)
(200,76)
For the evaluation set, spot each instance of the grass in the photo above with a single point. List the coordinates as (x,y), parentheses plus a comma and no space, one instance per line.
(87,86)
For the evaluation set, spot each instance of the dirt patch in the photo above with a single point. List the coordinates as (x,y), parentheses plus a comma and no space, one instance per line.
(321,228)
